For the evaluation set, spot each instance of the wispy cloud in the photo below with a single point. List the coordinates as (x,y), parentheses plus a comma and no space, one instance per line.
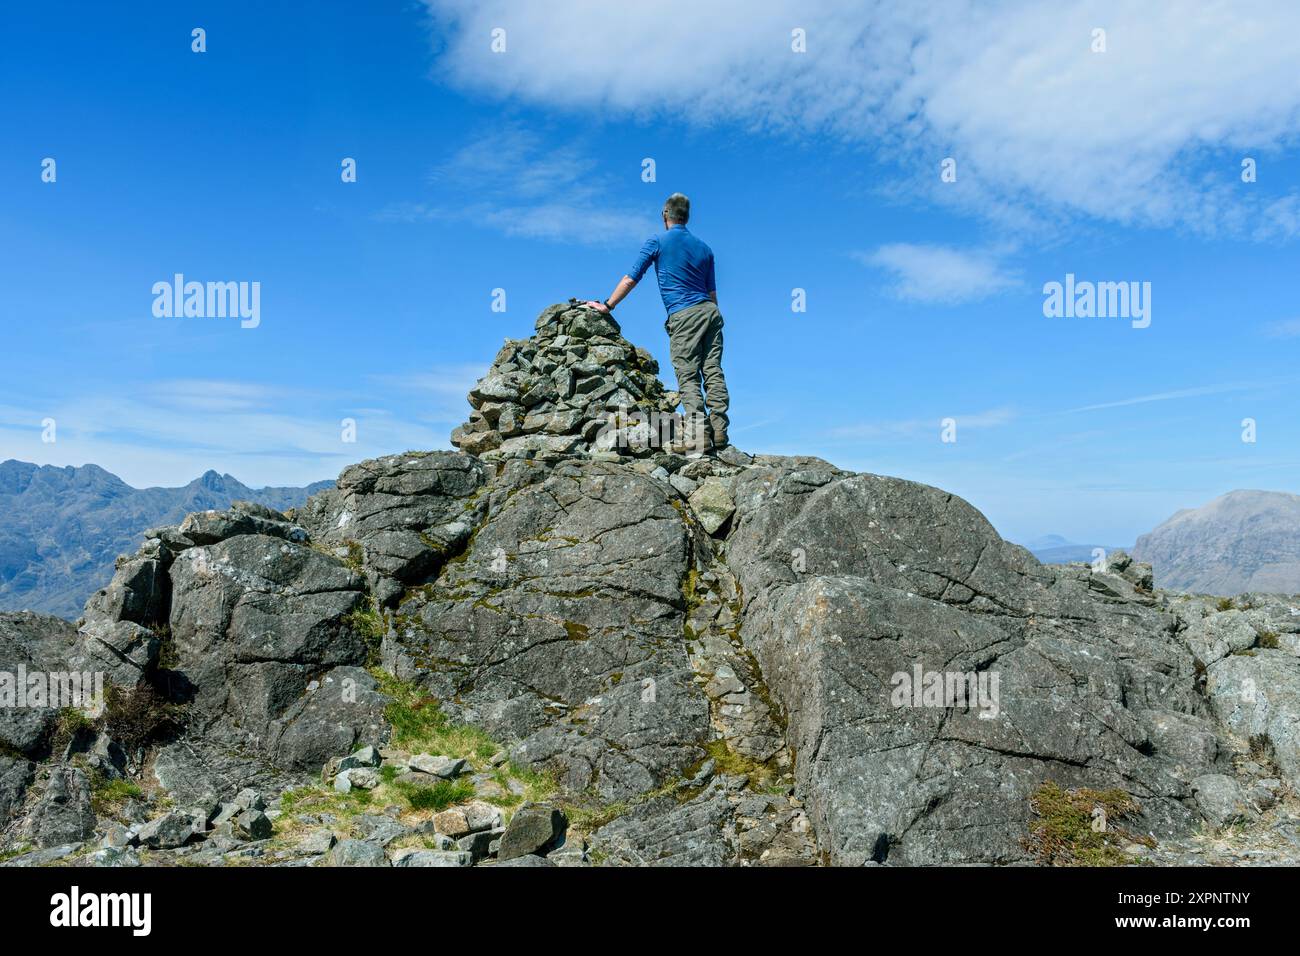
(939,274)
(168,432)
(1170,396)
(526,189)
(1011,89)
(906,428)
(443,380)
(1285,329)
(210,395)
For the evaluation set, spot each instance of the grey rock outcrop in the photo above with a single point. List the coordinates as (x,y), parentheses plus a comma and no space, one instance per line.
(35,644)
(766,661)
(63,813)
(1257,697)
(897,576)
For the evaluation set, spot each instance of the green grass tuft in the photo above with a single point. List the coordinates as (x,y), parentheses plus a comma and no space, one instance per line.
(1061,832)
(438,796)
(107,795)
(419,725)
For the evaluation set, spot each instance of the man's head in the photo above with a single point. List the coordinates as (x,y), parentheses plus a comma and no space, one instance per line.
(677,210)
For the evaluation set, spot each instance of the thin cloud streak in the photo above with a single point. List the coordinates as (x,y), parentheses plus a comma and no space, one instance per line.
(1170,396)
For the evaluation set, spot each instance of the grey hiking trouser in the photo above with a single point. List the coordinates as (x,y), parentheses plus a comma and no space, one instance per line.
(695,346)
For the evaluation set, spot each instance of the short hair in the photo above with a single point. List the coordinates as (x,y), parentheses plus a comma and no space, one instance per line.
(677,208)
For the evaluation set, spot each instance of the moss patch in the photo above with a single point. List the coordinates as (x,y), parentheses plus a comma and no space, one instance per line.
(762,777)
(1062,834)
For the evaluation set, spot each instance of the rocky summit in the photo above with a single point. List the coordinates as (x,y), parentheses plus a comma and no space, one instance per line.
(565,644)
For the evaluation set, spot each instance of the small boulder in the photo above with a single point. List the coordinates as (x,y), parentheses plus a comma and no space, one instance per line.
(362,778)
(479,845)
(356,853)
(380,829)
(712,503)
(1220,800)
(445,767)
(114,856)
(536,828)
(452,823)
(317,842)
(367,756)
(482,816)
(63,814)
(172,829)
(253,825)
(249,799)
(527,860)
(433,858)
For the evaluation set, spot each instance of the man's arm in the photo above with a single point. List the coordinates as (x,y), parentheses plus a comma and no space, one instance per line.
(625,285)
(649,253)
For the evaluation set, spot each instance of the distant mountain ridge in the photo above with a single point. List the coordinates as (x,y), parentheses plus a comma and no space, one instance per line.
(1242,541)
(1056,549)
(61,528)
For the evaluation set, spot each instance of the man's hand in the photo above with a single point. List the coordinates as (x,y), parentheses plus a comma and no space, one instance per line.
(625,285)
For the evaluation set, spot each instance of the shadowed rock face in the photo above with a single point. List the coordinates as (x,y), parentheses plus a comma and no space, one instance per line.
(1242,541)
(722,653)
(567,606)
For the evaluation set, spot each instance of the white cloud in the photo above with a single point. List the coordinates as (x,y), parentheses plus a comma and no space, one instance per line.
(939,274)
(525,189)
(1151,131)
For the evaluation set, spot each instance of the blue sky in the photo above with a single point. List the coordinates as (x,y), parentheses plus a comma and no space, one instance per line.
(522,170)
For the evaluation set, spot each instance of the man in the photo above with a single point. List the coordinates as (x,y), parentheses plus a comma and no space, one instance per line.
(684,267)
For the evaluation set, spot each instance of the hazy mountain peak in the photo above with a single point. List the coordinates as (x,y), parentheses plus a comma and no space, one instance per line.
(1245,540)
(62,526)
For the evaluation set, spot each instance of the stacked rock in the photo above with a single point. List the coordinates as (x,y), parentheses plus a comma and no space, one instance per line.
(576,388)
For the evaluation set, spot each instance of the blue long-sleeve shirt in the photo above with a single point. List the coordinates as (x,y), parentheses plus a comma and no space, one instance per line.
(683,264)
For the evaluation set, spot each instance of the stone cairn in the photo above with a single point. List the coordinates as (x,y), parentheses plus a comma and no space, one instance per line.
(576,388)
